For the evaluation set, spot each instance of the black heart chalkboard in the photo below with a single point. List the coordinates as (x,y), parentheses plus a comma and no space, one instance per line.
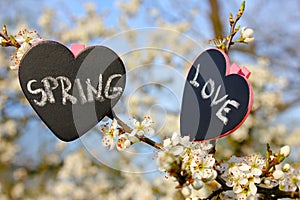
(215,103)
(71,95)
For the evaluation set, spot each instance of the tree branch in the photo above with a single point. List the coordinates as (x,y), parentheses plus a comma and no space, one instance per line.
(277,193)
(141,138)
(274,193)
(232,27)
(215,18)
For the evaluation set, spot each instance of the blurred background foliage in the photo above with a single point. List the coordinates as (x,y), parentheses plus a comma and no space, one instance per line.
(35,165)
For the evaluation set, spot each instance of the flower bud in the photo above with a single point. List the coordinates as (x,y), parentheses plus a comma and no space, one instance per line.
(213,176)
(285,151)
(247,35)
(197,184)
(127,143)
(286,167)
(4,29)
(123,142)
(267,182)
(186,191)
(247,32)
(278,175)
(249,40)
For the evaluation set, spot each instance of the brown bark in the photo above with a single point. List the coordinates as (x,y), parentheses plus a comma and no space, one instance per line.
(215,18)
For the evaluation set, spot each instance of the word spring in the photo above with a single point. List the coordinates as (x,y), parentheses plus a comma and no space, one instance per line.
(50,84)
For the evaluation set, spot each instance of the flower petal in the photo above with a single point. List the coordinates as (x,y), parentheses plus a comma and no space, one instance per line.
(167,142)
(107,141)
(114,124)
(253,188)
(177,150)
(244,167)
(140,133)
(149,130)
(135,123)
(147,121)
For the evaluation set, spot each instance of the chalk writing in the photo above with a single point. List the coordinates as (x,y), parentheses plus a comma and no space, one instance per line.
(208,90)
(194,81)
(93,94)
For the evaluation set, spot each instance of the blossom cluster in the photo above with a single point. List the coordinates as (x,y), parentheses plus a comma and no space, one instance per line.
(22,42)
(113,135)
(190,163)
(25,39)
(243,173)
(291,180)
(246,37)
(246,174)
(246,34)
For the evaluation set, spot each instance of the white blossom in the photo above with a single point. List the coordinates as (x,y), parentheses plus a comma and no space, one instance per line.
(172,148)
(179,155)
(26,39)
(197,184)
(123,142)
(202,167)
(270,182)
(109,133)
(243,174)
(25,36)
(286,167)
(186,191)
(278,174)
(291,181)
(285,151)
(114,137)
(15,59)
(247,35)
(165,159)
(141,128)
(176,143)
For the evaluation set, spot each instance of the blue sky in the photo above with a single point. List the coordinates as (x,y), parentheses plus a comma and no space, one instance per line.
(260,20)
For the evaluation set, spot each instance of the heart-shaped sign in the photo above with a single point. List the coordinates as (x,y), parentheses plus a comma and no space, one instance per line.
(217,98)
(71,95)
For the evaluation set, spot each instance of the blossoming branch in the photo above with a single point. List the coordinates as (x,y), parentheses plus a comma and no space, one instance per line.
(246,34)
(193,165)
(22,42)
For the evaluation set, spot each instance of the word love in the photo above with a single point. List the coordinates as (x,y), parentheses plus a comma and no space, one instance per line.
(50,84)
(208,90)
(217,97)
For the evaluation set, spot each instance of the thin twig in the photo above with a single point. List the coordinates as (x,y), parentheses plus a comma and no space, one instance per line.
(277,193)
(214,193)
(3,36)
(123,124)
(221,189)
(9,40)
(232,34)
(268,169)
(274,193)
(232,27)
(141,138)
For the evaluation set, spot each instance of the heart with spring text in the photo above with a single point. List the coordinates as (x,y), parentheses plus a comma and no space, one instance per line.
(71,94)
